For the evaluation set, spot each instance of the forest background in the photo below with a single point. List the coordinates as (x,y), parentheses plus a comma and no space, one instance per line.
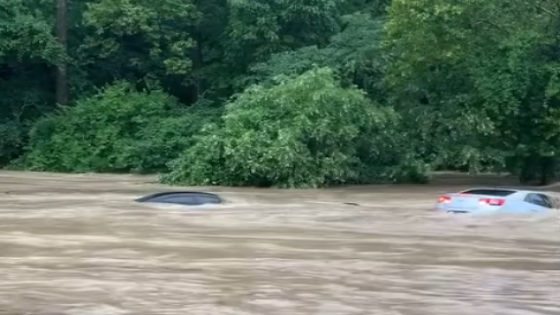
(288,93)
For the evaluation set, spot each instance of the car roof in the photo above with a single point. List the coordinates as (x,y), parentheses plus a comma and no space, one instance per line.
(514,190)
(184,193)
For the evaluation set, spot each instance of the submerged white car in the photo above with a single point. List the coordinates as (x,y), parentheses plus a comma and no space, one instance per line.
(503,200)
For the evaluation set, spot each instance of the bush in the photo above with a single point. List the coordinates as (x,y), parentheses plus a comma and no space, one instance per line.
(119,129)
(11,141)
(305,131)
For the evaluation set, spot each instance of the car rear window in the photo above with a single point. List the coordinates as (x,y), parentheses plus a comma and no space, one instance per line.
(490,192)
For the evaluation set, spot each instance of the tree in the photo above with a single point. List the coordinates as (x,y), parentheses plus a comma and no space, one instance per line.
(141,41)
(119,129)
(477,76)
(258,28)
(307,131)
(354,53)
(28,52)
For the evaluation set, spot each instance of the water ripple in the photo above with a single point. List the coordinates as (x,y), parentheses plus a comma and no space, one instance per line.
(70,245)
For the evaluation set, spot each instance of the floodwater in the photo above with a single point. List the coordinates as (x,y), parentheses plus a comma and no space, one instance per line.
(78,244)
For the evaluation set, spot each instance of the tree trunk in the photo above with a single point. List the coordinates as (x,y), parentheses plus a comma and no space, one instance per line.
(62,69)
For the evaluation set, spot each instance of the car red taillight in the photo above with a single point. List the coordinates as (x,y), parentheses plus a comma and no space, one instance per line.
(444,199)
(492,201)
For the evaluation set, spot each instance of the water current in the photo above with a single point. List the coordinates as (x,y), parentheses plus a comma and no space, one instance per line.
(79,245)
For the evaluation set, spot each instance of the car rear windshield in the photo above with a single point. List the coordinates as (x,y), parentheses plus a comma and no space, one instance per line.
(489,192)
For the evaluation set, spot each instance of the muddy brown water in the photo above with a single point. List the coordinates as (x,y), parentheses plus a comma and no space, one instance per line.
(78,244)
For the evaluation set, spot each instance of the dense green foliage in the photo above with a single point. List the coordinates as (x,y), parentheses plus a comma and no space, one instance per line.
(117,130)
(302,131)
(291,93)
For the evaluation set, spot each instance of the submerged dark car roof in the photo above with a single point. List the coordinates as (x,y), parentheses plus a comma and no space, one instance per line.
(189,198)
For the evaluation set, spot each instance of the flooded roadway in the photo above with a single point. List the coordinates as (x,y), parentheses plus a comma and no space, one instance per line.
(78,245)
